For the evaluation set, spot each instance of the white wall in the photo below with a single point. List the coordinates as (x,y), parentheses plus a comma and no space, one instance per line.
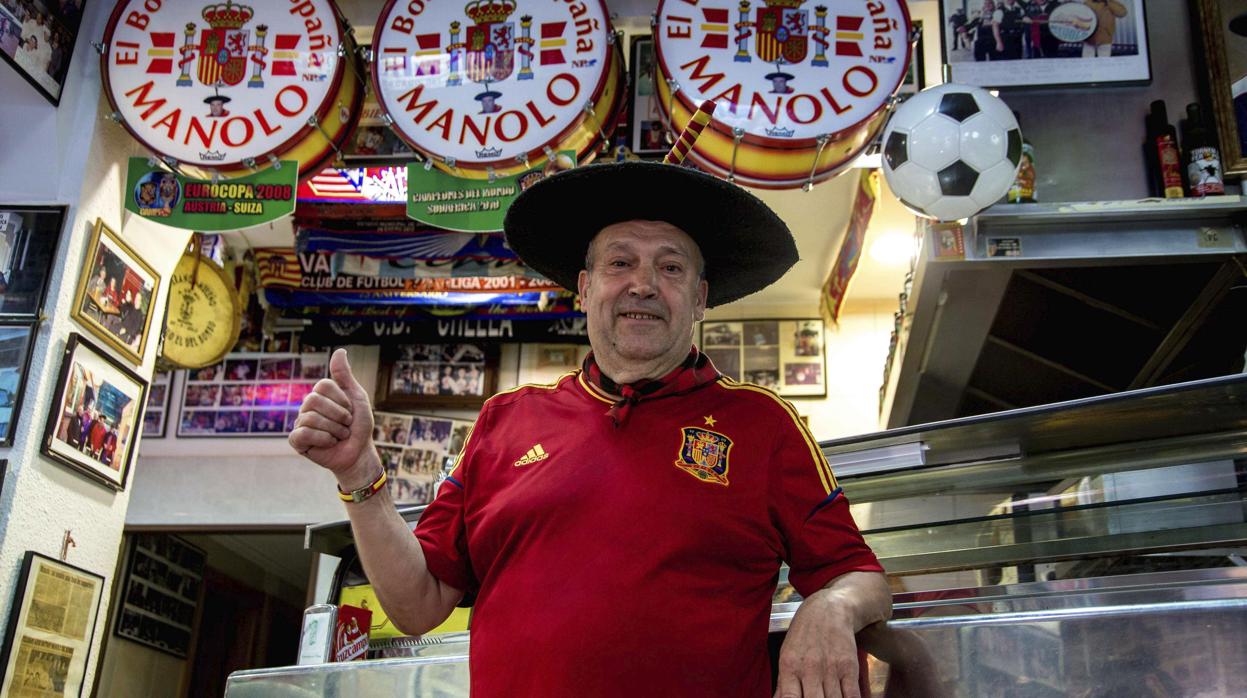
(66,155)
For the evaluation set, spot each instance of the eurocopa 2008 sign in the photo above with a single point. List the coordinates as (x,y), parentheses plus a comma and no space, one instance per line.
(223,86)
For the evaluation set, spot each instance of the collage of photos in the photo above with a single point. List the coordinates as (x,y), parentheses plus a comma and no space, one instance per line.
(415,451)
(37,37)
(438,369)
(781,355)
(250,394)
(156,416)
(161,593)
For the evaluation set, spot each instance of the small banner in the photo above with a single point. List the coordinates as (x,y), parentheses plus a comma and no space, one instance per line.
(199,204)
(337,332)
(470,205)
(837,284)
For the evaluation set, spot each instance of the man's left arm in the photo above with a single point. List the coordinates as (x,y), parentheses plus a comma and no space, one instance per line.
(819,655)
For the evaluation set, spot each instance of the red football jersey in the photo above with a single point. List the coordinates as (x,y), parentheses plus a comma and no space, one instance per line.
(637,560)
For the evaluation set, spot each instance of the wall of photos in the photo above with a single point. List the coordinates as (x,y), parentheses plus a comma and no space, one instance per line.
(416,450)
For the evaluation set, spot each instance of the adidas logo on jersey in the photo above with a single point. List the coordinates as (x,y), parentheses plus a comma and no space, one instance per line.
(534,454)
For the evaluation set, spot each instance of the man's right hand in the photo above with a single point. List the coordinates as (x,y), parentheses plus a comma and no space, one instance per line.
(334,426)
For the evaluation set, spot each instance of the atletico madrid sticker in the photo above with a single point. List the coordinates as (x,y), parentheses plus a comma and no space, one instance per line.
(704,455)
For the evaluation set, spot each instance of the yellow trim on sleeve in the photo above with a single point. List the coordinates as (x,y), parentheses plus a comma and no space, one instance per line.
(824,469)
(541,386)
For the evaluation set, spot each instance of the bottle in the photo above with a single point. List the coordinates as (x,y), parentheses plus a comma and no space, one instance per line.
(1203,160)
(1023,189)
(1165,175)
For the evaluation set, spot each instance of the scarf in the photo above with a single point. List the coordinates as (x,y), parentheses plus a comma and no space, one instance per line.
(692,373)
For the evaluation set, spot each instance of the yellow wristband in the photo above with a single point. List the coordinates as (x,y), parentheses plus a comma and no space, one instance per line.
(363,493)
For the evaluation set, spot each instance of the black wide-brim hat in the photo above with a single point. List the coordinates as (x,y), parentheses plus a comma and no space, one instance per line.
(488,93)
(1238,25)
(779,74)
(746,246)
(216,98)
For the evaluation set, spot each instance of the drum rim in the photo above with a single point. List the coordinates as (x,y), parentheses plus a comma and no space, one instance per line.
(232,294)
(613,63)
(286,145)
(660,66)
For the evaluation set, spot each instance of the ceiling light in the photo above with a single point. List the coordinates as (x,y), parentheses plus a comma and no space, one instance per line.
(893,248)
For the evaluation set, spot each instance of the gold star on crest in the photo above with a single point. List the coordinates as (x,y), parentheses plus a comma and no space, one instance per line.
(710,420)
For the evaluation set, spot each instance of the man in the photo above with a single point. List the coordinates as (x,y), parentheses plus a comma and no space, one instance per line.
(958,24)
(1012,29)
(488,100)
(216,106)
(779,82)
(622,530)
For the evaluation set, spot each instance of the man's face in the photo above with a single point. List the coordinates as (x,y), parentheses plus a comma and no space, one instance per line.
(643,292)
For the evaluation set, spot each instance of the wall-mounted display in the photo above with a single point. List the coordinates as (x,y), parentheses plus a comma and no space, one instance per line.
(783,355)
(37,38)
(648,134)
(16,341)
(1018,43)
(28,237)
(115,294)
(1223,28)
(250,393)
(160,593)
(51,624)
(415,451)
(415,376)
(156,416)
(96,414)
(916,76)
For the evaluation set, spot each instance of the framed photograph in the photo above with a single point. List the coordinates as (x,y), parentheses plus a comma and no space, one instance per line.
(161,593)
(416,450)
(916,76)
(1223,31)
(97,411)
(114,299)
(28,238)
(37,39)
(786,356)
(436,375)
(16,341)
(648,135)
(156,416)
(51,624)
(1045,43)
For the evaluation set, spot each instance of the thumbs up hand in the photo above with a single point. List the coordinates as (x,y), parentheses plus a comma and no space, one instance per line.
(334,426)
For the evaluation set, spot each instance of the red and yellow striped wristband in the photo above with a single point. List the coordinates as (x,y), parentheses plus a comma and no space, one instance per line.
(363,493)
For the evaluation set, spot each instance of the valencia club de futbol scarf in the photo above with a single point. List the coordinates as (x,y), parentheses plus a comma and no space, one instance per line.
(694,372)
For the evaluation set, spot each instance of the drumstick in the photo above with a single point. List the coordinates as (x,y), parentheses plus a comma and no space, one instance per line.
(692,130)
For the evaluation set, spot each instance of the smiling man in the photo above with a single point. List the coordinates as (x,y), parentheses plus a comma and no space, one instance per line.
(621,531)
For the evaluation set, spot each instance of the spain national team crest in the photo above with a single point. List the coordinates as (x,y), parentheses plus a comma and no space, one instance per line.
(782,36)
(704,454)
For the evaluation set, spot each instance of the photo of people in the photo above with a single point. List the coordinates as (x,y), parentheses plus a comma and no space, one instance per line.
(99,410)
(37,38)
(415,450)
(28,237)
(115,295)
(444,370)
(721,334)
(649,136)
(803,374)
(1000,43)
(761,351)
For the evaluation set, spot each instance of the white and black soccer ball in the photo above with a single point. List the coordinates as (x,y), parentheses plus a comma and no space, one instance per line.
(951,151)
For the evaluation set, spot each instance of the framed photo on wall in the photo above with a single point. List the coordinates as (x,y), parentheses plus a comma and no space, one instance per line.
(51,624)
(648,135)
(156,416)
(1045,44)
(415,451)
(1223,31)
(96,414)
(28,241)
(436,375)
(161,593)
(37,39)
(786,356)
(915,77)
(16,341)
(115,294)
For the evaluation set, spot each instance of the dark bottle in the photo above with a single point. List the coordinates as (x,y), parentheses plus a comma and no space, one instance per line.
(1023,190)
(1203,160)
(1166,178)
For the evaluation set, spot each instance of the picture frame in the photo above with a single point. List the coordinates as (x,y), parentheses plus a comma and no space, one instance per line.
(156,414)
(417,450)
(115,294)
(17,343)
(1092,45)
(51,626)
(1225,57)
(161,593)
(250,394)
(29,236)
(95,392)
(45,64)
(647,134)
(787,356)
(423,376)
(916,77)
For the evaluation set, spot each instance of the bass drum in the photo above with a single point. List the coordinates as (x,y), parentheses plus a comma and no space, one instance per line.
(799,94)
(497,87)
(226,89)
